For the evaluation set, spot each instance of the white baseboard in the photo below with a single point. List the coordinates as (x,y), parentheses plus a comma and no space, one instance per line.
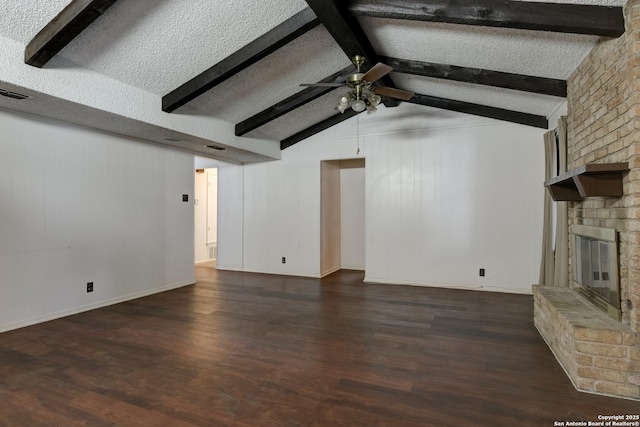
(228,267)
(521,291)
(331,270)
(279,273)
(352,267)
(93,306)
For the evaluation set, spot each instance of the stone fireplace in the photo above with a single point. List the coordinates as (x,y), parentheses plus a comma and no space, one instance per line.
(601,352)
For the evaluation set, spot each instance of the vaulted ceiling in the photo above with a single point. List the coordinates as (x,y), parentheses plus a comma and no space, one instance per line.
(196,74)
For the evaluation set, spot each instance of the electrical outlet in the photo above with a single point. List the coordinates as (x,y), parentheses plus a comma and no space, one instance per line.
(284,260)
(89,286)
(482,272)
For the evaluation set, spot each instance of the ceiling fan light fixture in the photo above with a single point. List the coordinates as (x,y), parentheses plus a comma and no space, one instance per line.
(362,94)
(358,105)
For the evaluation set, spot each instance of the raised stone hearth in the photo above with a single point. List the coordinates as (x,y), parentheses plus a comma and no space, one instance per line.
(599,354)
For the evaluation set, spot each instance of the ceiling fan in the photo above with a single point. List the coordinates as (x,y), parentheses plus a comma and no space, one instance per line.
(362,94)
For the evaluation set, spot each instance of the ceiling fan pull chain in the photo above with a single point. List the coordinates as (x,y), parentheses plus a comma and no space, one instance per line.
(358,134)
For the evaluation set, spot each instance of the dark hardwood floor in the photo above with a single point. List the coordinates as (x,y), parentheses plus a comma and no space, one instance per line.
(240,349)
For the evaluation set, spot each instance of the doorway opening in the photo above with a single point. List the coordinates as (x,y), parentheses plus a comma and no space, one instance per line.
(206,216)
(342,223)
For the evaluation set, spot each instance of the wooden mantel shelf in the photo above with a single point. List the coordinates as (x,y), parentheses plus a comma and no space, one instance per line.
(591,180)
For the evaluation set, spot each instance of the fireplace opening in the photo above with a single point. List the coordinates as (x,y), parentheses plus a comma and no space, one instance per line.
(595,267)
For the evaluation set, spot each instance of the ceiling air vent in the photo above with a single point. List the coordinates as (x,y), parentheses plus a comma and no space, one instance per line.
(216,147)
(13,95)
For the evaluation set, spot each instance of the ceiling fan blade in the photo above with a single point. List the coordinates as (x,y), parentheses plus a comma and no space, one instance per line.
(393,93)
(376,72)
(322,84)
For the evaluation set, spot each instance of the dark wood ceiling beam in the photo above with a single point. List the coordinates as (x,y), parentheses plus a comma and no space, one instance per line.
(596,20)
(345,29)
(481,110)
(541,85)
(241,59)
(66,26)
(317,128)
(347,32)
(291,103)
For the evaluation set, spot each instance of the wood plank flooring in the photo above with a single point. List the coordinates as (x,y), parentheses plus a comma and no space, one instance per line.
(240,349)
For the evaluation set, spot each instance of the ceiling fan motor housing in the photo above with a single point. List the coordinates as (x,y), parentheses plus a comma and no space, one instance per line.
(354,79)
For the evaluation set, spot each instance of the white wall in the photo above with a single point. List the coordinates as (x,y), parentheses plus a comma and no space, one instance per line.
(442,201)
(281,215)
(352,206)
(439,207)
(80,206)
(200,216)
(230,217)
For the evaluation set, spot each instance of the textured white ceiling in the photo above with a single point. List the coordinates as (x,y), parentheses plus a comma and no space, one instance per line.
(536,53)
(308,59)
(301,118)
(155,46)
(21,20)
(541,105)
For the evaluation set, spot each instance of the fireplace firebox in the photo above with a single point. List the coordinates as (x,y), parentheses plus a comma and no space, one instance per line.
(595,267)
